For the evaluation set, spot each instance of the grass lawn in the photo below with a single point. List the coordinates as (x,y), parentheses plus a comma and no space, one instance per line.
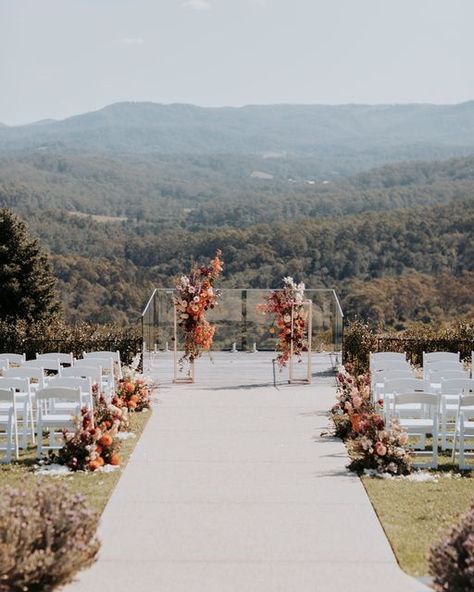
(96,487)
(415,514)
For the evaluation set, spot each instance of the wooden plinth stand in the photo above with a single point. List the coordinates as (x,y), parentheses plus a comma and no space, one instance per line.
(308,307)
(178,377)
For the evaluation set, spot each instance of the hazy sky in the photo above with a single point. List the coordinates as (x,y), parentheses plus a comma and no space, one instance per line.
(62,57)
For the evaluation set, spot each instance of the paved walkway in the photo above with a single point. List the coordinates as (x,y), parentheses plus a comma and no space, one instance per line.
(232,489)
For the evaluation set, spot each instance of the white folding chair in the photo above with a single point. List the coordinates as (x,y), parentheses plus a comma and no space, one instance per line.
(115,355)
(35,376)
(416,426)
(49,418)
(24,407)
(7,422)
(106,366)
(441,356)
(62,358)
(464,429)
(12,358)
(451,391)
(85,384)
(400,385)
(44,363)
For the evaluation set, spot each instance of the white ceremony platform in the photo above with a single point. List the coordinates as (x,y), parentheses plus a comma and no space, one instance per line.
(231,488)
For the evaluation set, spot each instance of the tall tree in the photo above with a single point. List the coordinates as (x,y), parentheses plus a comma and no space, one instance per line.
(27,285)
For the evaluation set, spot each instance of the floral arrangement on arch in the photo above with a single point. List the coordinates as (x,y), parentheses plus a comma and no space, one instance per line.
(194,296)
(282,303)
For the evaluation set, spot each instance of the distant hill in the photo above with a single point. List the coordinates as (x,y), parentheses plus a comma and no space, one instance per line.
(374,133)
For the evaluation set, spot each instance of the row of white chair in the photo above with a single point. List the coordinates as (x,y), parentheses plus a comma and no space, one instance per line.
(56,409)
(418,415)
(54,361)
(25,410)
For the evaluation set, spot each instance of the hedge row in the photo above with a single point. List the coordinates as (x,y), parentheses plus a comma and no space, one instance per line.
(57,336)
(360,340)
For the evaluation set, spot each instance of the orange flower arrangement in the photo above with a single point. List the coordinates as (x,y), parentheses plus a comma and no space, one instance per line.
(89,447)
(194,296)
(132,393)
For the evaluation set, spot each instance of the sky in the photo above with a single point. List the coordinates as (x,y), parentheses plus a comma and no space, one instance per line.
(63,57)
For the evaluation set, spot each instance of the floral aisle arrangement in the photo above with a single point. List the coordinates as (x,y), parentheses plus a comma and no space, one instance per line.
(194,296)
(112,417)
(132,393)
(372,444)
(376,447)
(89,447)
(353,398)
(282,303)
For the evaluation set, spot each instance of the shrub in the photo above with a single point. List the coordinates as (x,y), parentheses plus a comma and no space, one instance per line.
(360,340)
(23,337)
(451,560)
(47,535)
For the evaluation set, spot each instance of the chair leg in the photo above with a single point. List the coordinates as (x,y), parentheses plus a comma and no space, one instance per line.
(461,451)
(39,439)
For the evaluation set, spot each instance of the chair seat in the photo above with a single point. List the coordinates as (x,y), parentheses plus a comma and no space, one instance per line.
(422,425)
(57,418)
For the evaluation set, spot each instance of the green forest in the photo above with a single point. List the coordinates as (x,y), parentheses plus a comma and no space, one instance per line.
(126,198)
(395,241)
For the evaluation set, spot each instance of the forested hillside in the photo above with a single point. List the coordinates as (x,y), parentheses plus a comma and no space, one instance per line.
(345,138)
(396,241)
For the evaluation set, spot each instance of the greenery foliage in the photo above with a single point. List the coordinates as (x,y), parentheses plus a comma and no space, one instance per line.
(44,337)
(47,535)
(360,339)
(27,284)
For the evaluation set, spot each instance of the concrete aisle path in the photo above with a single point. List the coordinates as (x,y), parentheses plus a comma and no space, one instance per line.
(232,489)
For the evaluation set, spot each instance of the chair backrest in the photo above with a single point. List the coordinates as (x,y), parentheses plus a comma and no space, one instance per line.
(409,398)
(59,393)
(46,364)
(13,358)
(455,386)
(440,355)
(22,372)
(389,364)
(404,385)
(18,384)
(115,355)
(62,358)
(94,373)
(85,384)
(396,374)
(106,365)
(448,375)
(388,355)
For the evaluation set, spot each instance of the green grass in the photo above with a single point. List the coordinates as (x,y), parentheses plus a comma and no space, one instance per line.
(414,515)
(96,487)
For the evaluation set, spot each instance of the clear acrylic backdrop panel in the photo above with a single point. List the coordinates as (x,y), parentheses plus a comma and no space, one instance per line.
(238,321)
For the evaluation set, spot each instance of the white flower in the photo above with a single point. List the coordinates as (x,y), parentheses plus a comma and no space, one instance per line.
(191,289)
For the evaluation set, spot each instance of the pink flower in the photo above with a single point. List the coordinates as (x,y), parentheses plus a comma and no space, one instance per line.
(356,401)
(380,449)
